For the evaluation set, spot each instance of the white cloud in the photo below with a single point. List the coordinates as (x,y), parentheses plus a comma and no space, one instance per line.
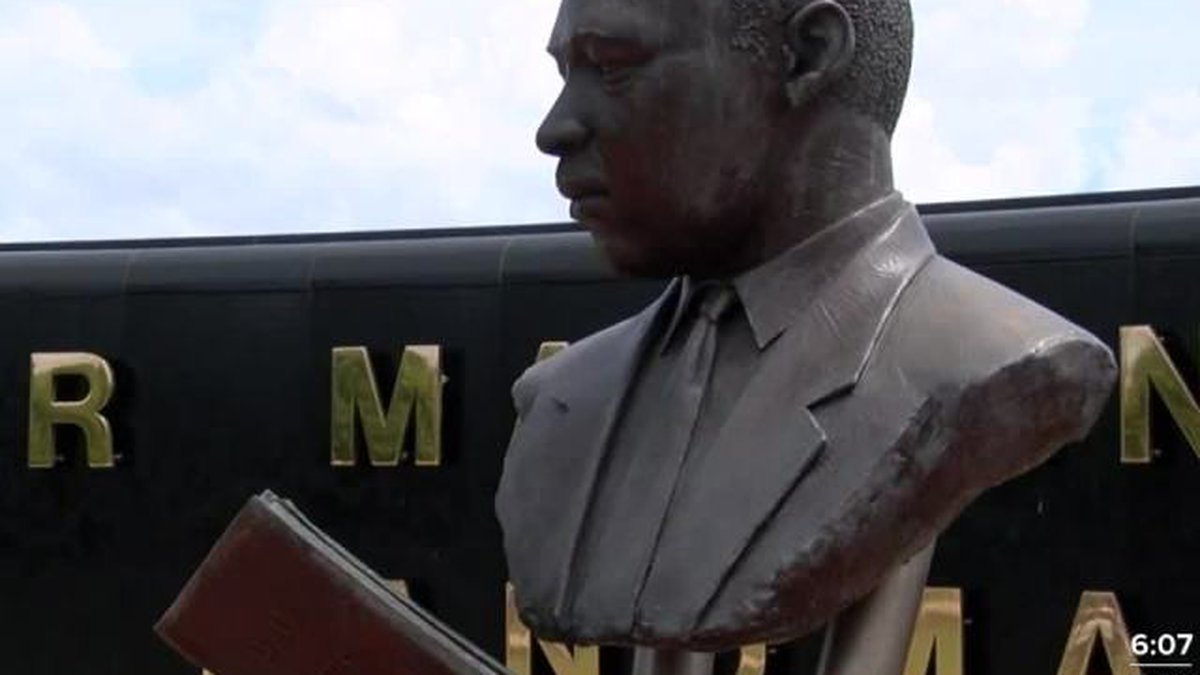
(359,52)
(997,37)
(348,115)
(144,118)
(54,34)
(1051,29)
(1159,143)
(402,93)
(1039,151)
(987,115)
(369,89)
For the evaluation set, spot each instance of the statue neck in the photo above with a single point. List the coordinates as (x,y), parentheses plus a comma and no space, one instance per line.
(842,163)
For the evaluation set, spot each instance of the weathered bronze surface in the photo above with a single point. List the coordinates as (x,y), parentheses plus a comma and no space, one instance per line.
(746,143)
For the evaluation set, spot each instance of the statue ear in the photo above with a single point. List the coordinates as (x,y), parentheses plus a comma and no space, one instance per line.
(819,47)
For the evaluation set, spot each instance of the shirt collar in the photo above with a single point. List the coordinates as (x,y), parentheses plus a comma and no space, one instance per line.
(684,301)
(776,292)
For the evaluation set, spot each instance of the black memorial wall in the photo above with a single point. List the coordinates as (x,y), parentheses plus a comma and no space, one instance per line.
(221,354)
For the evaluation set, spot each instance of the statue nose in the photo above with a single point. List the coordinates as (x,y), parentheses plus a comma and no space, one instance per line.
(562,132)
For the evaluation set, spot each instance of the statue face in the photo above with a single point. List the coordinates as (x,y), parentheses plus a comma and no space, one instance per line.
(662,130)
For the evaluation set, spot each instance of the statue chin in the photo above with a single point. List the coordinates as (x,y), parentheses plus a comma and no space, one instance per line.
(630,258)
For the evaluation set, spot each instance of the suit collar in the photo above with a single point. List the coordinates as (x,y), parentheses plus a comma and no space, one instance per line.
(619,348)
(833,331)
(776,293)
(836,333)
(821,354)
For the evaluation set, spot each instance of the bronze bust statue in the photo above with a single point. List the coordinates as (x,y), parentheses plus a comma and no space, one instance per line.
(817,393)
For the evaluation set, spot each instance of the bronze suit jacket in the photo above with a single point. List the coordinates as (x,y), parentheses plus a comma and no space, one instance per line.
(906,388)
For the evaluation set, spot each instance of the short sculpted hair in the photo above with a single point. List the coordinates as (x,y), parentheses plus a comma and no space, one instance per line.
(877,79)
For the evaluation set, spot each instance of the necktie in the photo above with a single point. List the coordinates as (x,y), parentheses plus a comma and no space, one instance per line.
(701,347)
(684,393)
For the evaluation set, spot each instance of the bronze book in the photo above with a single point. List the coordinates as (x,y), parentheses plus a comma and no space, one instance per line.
(277,596)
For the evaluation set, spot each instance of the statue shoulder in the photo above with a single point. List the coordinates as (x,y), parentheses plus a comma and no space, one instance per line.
(953,324)
(1015,380)
(580,354)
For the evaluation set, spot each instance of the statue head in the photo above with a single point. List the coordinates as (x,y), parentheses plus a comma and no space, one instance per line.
(705,136)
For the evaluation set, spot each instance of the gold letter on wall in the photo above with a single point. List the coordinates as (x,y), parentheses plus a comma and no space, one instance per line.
(938,630)
(417,393)
(1098,614)
(753,660)
(519,647)
(47,412)
(548,349)
(1144,361)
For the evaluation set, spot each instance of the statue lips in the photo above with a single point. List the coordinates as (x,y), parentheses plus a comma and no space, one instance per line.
(590,199)
(592,208)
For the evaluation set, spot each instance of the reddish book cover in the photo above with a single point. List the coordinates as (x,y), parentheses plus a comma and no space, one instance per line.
(276,596)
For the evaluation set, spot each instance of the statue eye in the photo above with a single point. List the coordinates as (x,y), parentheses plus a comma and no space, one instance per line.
(616,60)
(615,76)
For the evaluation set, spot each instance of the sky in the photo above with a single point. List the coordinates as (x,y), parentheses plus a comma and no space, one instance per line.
(157,118)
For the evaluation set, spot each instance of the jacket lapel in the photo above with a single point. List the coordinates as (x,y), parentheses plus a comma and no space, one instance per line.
(772,439)
(556,452)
